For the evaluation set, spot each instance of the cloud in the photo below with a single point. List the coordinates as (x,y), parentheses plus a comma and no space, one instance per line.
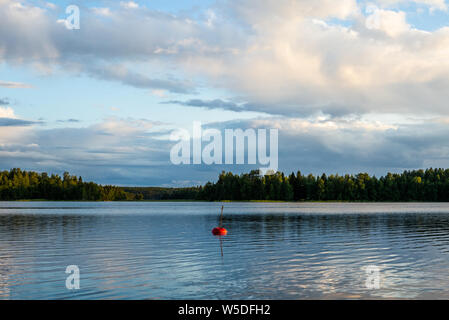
(134,79)
(137,152)
(11,122)
(102,11)
(14,130)
(125,127)
(129,5)
(209,104)
(301,64)
(390,22)
(32,35)
(10,84)
(280,57)
(4,101)
(71,120)
(352,145)
(299,111)
(7,112)
(9,119)
(112,151)
(51,5)
(331,146)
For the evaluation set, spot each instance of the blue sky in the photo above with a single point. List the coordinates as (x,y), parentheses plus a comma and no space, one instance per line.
(351,85)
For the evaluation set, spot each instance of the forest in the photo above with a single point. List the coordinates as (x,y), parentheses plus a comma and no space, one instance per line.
(416,185)
(28,185)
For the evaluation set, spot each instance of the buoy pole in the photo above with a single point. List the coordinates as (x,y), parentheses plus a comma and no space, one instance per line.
(220,231)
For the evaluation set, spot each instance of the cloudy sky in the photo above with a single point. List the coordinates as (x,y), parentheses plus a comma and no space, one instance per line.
(351,85)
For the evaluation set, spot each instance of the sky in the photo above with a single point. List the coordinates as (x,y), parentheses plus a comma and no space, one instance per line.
(352,86)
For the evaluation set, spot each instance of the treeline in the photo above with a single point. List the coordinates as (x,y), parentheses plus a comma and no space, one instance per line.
(18,185)
(416,185)
(160,193)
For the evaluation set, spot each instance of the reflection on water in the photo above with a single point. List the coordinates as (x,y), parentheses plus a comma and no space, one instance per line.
(272,251)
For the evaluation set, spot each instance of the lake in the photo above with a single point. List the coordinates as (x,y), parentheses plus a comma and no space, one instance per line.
(165,250)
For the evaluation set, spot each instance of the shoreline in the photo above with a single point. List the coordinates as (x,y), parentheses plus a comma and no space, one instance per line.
(225,201)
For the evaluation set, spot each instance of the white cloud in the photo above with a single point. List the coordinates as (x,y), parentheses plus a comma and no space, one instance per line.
(129,5)
(102,11)
(25,33)
(125,127)
(391,22)
(7,112)
(292,63)
(285,56)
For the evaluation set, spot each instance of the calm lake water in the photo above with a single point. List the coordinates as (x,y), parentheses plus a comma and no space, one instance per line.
(165,250)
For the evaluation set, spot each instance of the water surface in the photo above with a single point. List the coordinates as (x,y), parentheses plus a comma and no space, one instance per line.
(165,250)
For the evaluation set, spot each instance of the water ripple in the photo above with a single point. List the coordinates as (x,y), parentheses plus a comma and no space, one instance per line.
(273,251)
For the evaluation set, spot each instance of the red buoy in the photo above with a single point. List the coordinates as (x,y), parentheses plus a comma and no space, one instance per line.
(217,231)
(220,231)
